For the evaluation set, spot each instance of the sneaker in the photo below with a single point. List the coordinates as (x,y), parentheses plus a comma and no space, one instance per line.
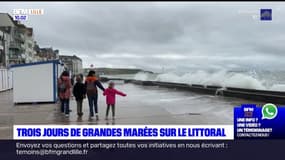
(66,115)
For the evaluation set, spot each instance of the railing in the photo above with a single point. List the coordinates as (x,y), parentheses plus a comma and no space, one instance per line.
(16,45)
(19,36)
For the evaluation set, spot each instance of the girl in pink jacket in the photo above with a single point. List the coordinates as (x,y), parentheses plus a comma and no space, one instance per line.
(110,94)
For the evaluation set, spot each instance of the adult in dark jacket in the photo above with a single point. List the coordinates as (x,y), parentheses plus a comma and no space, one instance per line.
(79,92)
(91,84)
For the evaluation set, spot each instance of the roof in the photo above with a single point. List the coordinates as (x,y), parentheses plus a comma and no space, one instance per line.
(7,20)
(34,63)
(46,49)
(21,25)
(68,56)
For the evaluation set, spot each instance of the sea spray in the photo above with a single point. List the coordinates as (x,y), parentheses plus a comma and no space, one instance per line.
(244,81)
(169,77)
(143,76)
(221,78)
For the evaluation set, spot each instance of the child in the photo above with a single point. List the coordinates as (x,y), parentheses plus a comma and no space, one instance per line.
(110,94)
(79,92)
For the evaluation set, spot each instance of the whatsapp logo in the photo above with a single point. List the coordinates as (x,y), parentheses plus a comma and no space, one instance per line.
(269,111)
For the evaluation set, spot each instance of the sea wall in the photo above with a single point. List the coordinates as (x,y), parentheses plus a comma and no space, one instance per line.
(276,97)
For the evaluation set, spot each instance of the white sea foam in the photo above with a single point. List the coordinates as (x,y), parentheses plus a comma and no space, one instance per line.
(141,76)
(221,78)
(144,76)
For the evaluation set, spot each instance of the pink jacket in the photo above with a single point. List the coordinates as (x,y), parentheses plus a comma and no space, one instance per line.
(67,93)
(110,94)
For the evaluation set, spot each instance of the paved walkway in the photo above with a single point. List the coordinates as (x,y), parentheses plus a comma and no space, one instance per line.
(143,105)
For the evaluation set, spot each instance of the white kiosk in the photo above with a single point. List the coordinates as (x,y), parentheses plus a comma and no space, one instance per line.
(5,80)
(36,82)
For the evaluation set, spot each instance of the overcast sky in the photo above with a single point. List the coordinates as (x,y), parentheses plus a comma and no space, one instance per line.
(152,35)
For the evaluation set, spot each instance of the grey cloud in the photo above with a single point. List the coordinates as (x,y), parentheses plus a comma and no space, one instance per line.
(135,34)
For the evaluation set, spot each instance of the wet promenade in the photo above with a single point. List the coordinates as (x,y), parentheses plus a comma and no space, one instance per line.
(143,105)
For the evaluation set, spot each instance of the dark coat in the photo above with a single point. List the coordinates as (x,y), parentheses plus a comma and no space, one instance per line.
(79,91)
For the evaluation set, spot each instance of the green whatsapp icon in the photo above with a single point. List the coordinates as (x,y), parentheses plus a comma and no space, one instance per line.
(269,111)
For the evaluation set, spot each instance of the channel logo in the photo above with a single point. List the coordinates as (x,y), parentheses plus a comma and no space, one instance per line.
(22,14)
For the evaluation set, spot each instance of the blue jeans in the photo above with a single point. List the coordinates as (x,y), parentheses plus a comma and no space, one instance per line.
(65,106)
(93,102)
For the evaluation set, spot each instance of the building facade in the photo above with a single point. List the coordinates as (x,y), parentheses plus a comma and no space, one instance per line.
(18,44)
(18,40)
(72,63)
(29,46)
(45,54)
(7,27)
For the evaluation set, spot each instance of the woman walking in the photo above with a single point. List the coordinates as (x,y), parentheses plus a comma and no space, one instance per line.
(64,86)
(91,84)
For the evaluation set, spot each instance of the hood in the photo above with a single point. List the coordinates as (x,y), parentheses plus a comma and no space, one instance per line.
(90,79)
(65,78)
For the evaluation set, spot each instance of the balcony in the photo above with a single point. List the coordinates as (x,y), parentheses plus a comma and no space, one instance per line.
(14,57)
(16,45)
(19,36)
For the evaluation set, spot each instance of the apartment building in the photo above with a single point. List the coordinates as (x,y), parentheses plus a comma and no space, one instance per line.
(17,41)
(72,63)
(7,25)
